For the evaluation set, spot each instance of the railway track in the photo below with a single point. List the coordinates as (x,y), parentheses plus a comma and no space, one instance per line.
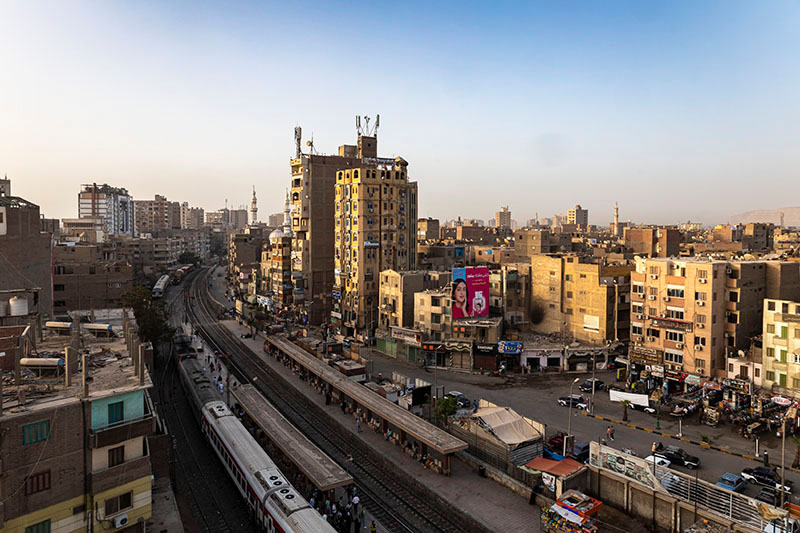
(396,499)
(199,475)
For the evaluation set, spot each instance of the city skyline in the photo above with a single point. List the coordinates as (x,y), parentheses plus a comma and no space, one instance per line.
(663,108)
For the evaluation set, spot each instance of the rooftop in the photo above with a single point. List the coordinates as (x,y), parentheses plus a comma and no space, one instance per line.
(16,201)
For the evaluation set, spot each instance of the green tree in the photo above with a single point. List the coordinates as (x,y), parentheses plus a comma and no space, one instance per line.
(445,408)
(625,404)
(188,258)
(151,317)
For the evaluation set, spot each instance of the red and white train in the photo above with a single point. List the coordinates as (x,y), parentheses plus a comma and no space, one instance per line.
(272,501)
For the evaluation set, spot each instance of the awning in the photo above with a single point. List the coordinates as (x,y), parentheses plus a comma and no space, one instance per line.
(563,468)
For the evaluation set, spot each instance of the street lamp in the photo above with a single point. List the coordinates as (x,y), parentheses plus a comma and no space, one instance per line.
(569,420)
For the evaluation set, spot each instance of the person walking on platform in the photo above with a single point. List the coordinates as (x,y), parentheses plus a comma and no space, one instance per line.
(372,527)
(358,425)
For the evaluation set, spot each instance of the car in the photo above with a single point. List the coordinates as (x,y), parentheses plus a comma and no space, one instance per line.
(649,410)
(461,400)
(789,525)
(731,482)
(660,461)
(677,456)
(767,495)
(576,400)
(764,475)
(586,386)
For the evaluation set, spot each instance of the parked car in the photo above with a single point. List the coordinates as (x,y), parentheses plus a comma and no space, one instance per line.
(660,461)
(769,477)
(767,495)
(732,482)
(576,400)
(677,456)
(636,407)
(791,525)
(461,400)
(586,386)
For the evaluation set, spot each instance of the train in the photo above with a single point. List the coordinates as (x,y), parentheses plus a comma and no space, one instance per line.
(160,286)
(181,272)
(274,505)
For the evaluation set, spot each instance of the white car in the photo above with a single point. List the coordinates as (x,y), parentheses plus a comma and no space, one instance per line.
(660,461)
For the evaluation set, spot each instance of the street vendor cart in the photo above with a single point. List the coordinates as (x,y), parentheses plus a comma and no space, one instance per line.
(573,512)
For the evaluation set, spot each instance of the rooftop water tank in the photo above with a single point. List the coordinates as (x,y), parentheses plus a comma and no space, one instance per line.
(19,306)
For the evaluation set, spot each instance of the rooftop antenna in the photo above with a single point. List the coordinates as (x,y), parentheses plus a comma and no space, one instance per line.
(377,123)
(358,124)
(310,144)
(298,132)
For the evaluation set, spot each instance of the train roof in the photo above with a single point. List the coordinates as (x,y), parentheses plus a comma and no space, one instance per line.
(203,388)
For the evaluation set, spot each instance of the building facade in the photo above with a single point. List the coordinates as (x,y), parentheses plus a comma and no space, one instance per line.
(579,217)
(113,204)
(781,347)
(427,229)
(502,219)
(397,291)
(653,241)
(82,279)
(157,214)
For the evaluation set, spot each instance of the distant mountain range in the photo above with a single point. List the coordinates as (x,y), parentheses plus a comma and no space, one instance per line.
(791,216)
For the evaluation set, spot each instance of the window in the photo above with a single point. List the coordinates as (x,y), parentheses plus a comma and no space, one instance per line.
(41,527)
(770,352)
(569,294)
(118,503)
(638,288)
(675,313)
(782,379)
(784,332)
(638,309)
(733,318)
(795,383)
(703,274)
(36,432)
(116,456)
(700,363)
(782,355)
(636,330)
(700,341)
(37,482)
(675,292)
(700,296)
(733,296)
(770,306)
(700,319)
(673,358)
(770,375)
(770,328)
(653,291)
(757,372)
(797,333)
(568,277)
(784,308)
(59,287)
(675,336)
(796,358)
(652,332)
(115,412)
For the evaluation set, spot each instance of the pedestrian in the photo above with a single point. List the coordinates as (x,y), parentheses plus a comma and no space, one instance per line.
(362,519)
(612,433)
(358,425)
(355,504)
(372,527)
(766,458)
(221,386)
(608,432)
(215,381)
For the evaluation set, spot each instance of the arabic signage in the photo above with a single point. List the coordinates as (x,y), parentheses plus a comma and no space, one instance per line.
(670,323)
(711,385)
(691,379)
(622,464)
(408,336)
(657,371)
(672,375)
(646,356)
(739,385)
(509,347)
(485,348)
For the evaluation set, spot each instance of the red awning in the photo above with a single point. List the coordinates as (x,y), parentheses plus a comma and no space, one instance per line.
(563,468)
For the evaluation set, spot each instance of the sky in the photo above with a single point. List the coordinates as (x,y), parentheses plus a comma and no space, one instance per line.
(680,110)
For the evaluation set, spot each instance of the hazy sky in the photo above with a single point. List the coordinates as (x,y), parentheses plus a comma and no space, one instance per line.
(678,110)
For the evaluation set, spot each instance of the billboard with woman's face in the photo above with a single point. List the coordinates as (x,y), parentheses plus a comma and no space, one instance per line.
(470,298)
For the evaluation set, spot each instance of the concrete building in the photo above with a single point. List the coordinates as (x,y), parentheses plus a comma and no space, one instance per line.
(758,236)
(653,241)
(25,254)
(113,204)
(375,230)
(83,280)
(90,229)
(278,274)
(441,256)
(510,294)
(531,242)
(218,218)
(433,316)
(580,299)
(427,229)
(238,218)
(397,291)
(81,454)
(156,214)
(275,220)
(502,219)
(192,217)
(244,249)
(579,217)
(781,347)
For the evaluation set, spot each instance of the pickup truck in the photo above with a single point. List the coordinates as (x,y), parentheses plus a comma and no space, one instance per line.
(677,456)
(768,477)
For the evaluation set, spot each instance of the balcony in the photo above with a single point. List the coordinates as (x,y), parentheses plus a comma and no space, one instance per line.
(120,474)
(120,431)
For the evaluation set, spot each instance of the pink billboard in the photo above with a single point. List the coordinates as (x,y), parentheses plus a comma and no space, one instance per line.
(470,292)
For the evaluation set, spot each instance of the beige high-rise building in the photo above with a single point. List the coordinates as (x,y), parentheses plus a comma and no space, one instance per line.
(375,227)
(781,347)
(156,214)
(578,216)
(502,219)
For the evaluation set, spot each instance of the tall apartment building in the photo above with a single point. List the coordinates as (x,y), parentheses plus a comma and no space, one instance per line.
(653,241)
(579,217)
(692,314)
(278,274)
(758,236)
(113,204)
(577,298)
(238,218)
(780,357)
(427,229)
(192,217)
(502,219)
(78,458)
(531,242)
(375,230)
(275,220)
(397,291)
(156,214)
(433,316)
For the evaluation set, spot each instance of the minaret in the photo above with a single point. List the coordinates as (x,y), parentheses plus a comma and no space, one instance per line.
(616,219)
(287,222)
(254,207)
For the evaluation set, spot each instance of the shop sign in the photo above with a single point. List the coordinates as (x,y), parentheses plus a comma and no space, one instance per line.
(739,385)
(263,300)
(644,356)
(692,379)
(711,385)
(485,348)
(509,347)
(672,375)
(670,323)
(337,294)
(657,371)
(408,336)
(334,314)
(790,318)
(432,346)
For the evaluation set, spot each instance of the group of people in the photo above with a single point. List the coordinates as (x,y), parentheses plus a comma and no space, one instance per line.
(216,369)
(344,515)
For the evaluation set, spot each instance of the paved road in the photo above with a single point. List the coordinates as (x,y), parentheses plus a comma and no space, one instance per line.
(535,397)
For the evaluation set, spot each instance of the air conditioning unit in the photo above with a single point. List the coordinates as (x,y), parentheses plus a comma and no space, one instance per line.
(666,298)
(651,339)
(639,338)
(698,348)
(702,280)
(653,276)
(121,521)
(679,345)
(701,303)
(729,271)
(651,297)
(662,315)
(699,326)
(640,317)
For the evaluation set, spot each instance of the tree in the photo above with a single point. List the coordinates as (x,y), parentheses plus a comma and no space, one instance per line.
(625,404)
(445,408)
(151,317)
(188,258)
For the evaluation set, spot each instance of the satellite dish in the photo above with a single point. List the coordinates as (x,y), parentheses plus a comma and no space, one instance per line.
(741,353)
(308,143)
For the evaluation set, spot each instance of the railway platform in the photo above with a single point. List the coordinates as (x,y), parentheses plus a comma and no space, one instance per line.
(496,508)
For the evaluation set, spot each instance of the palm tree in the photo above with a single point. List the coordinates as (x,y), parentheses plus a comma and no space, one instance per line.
(625,404)
(796,441)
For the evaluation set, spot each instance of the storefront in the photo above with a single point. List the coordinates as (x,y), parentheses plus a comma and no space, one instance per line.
(736,393)
(485,356)
(642,361)
(542,359)
(435,354)
(509,352)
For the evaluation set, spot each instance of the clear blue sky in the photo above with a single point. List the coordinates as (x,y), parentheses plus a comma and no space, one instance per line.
(678,110)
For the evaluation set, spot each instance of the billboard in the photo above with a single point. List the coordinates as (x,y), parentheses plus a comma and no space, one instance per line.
(470,292)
